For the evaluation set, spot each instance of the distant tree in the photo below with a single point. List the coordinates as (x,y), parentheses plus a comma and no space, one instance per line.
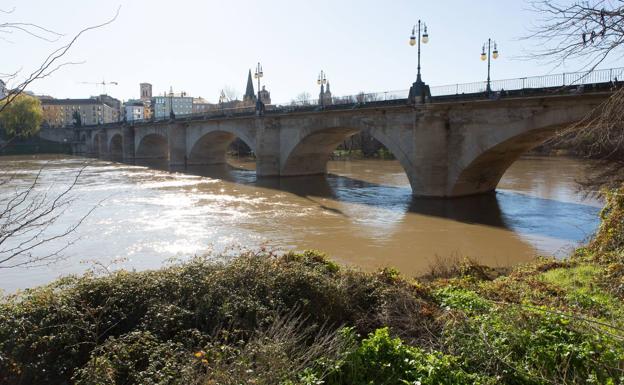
(22,117)
(302,99)
(230,93)
(78,119)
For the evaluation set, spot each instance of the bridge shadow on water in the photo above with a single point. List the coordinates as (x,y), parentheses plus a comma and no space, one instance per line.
(505,209)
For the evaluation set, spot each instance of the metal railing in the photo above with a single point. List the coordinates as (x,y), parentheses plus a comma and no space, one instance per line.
(533,82)
(547,83)
(361,97)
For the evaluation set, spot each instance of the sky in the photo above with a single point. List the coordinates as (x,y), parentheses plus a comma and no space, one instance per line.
(200,47)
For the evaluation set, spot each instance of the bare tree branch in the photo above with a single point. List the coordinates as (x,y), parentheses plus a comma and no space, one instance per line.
(31,215)
(30,29)
(49,65)
(590,32)
(26,220)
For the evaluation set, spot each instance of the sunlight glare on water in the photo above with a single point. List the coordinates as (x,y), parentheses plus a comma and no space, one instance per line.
(361,214)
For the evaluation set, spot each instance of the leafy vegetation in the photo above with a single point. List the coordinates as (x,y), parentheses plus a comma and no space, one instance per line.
(381,359)
(300,319)
(22,117)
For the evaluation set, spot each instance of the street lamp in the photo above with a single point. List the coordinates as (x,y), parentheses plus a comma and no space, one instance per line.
(171,113)
(419,88)
(322,80)
(494,55)
(222,99)
(258,75)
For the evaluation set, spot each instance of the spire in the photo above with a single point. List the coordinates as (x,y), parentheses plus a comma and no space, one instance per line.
(327,90)
(250,94)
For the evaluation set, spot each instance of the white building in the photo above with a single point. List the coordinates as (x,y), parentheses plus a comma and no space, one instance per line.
(180,103)
(134,110)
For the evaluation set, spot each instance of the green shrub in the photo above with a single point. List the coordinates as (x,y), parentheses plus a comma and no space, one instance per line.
(461,299)
(48,333)
(380,359)
(137,358)
(607,247)
(610,235)
(525,346)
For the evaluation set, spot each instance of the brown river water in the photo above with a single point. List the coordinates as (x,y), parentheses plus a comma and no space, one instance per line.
(362,214)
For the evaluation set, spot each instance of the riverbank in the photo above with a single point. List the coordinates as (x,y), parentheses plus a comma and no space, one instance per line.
(382,153)
(301,319)
(33,146)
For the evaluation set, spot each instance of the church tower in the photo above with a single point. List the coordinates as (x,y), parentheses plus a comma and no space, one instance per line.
(146,91)
(265,96)
(250,94)
(325,96)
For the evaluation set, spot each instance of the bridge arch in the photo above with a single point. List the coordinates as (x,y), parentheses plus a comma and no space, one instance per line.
(486,170)
(99,144)
(152,146)
(208,145)
(115,148)
(311,152)
(490,149)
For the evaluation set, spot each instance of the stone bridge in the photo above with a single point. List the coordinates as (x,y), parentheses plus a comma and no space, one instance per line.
(447,149)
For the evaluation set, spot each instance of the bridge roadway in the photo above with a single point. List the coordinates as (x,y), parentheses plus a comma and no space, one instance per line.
(448,148)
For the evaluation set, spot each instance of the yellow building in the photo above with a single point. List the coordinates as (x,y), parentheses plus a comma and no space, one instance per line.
(60,112)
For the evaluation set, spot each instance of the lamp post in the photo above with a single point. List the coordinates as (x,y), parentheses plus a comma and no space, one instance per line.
(258,75)
(171,113)
(222,100)
(419,89)
(321,81)
(490,55)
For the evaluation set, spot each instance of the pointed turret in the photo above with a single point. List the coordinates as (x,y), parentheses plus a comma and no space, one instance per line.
(250,94)
(326,95)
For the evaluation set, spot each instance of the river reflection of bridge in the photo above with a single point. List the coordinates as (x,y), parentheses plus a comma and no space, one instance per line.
(522,213)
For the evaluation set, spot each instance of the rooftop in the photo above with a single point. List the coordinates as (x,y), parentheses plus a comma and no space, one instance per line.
(70,101)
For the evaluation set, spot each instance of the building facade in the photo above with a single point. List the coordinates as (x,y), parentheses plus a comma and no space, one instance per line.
(115,104)
(201,105)
(64,112)
(134,110)
(179,103)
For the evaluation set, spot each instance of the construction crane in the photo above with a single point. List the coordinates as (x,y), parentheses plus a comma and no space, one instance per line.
(103,84)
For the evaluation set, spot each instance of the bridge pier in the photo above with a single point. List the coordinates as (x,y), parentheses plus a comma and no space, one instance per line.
(127,134)
(268,132)
(176,137)
(427,162)
(101,144)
